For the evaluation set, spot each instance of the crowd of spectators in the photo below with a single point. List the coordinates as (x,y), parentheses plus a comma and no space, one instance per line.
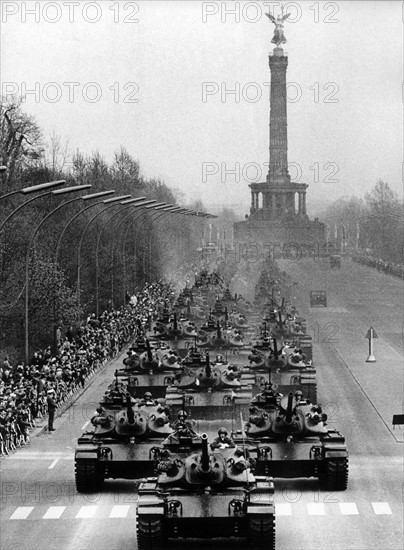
(25,389)
(390,268)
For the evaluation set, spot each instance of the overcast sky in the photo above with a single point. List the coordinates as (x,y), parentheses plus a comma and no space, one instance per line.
(345,119)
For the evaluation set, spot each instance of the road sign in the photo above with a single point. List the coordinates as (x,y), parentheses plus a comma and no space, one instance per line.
(370,335)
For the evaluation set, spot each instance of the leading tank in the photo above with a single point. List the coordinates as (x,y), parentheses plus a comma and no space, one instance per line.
(208,494)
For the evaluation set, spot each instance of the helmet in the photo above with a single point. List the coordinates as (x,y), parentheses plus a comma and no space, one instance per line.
(182,414)
(222,431)
(148,395)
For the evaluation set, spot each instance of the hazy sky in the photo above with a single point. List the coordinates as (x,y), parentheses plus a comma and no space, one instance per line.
(345,119)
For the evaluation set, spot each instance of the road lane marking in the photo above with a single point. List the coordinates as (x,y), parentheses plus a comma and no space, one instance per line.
(53,464)
(122,511)
(38,457)
(86,512)
(315,509)
(119,511)
(381,508)
(348,508)
(283,509)
(22,512)
(54,512)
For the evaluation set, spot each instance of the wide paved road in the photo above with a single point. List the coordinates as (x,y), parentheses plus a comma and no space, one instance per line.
(40,509)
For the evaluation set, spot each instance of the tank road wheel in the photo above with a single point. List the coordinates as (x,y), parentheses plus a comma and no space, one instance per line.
(261,532)
(149,533)
(88,477)
(335,474)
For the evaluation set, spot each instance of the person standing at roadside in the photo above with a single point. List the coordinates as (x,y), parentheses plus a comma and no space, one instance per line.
(52,406)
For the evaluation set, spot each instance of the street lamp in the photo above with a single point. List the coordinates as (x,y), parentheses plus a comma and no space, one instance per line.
(110,203)
(128,204)
(140,206)
(31,241)
(85,198)
(60,191)
(34,188)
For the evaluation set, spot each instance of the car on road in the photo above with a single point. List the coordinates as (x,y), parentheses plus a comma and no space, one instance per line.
(335,260)
(318,298)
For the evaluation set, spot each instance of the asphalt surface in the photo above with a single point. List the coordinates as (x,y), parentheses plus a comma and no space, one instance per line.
(41,510)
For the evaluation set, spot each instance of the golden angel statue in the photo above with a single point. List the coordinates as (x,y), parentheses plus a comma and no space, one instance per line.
(279,37)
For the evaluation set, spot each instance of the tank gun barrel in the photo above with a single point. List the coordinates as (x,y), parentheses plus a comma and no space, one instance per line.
(149,352)
(208,368)
(205,466)
(219,330)
(276,353)
(129,411)
(289,410)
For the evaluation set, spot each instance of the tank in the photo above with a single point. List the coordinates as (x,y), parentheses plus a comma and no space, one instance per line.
(218,339)
(155,375)
(139,345)
(208,389)
(289,370)
(289,437)
(189,329)
(132,362)
(209,494)
(193,356)
(149,361)
(119,443)
(174,329)
(209,325)
(219,309)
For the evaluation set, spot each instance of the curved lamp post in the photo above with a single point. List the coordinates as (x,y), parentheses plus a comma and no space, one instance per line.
(124,242)
(87,197)
(31,241)
(115,247)
(110,203)
(140,203)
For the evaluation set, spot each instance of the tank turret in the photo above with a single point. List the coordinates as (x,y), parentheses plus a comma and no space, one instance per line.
(174,331)
(168,359)
(217,339)
(292,416)
(127,422)
(210,378)
(148,360)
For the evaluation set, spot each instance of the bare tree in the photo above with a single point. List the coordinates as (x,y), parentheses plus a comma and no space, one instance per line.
(20,140)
